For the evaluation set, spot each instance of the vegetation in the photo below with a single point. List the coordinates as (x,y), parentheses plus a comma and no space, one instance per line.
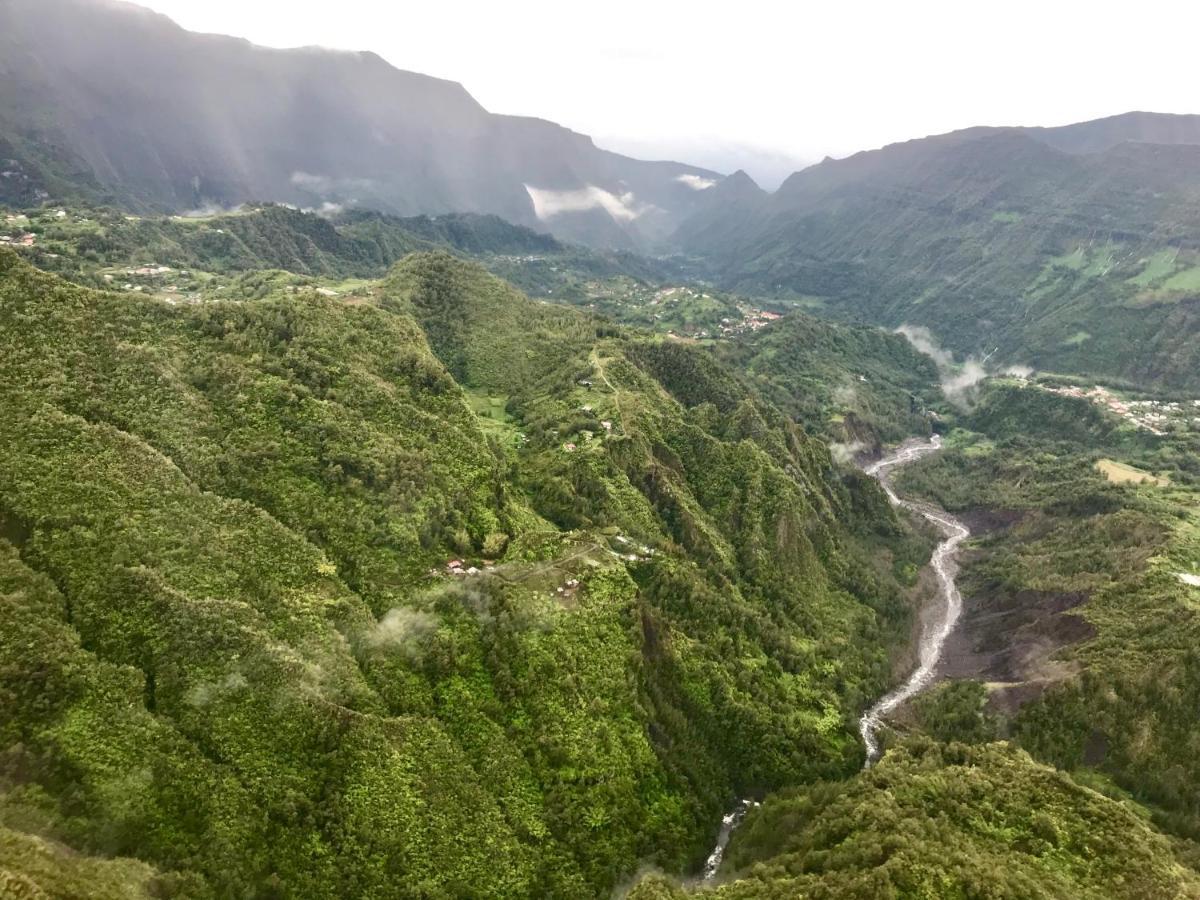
(868,386)
(996,240)
(1119,688)
(234,649)
(1081,632)
(318,583)
(948,821)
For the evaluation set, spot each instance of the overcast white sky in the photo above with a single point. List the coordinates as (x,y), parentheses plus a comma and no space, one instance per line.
(797,80)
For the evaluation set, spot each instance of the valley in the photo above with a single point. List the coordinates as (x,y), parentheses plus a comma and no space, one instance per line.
(593,477)
(940,619)
(400,499)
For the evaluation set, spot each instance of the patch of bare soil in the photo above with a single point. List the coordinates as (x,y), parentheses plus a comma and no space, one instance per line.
(986,521)
(1011,642)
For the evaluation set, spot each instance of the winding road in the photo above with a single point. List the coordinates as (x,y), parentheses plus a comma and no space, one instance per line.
(933,637)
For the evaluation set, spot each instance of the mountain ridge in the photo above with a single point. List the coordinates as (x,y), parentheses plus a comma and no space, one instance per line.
(163,119)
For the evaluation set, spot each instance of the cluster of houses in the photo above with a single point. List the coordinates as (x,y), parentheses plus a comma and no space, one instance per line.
(606,424)
(1149,415)
(150,271)
(25,239)
(520,259)
(752,320)
(458,567)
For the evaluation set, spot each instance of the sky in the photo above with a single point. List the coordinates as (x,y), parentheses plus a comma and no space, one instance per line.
(766,86)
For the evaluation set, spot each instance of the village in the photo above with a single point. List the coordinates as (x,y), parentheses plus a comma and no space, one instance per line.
(1155,416)
(17,236)
(680,312)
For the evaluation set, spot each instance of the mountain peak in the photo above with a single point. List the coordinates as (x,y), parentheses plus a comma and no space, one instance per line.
(738,184)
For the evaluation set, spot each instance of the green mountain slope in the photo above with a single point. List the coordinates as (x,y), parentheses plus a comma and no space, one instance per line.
(951,821)
(104,247)
(1094,630)
(870,386)
(234,649)
(994,240)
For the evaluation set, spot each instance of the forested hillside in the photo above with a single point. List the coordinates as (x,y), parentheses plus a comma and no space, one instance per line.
(238,646)
(1064,249)
(1076,647)
(947,821)
(854,384)
(871,386)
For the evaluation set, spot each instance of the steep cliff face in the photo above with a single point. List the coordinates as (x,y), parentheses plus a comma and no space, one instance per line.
(106,99)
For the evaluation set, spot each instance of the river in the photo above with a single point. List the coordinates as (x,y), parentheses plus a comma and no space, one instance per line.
(949,599)
(944,617)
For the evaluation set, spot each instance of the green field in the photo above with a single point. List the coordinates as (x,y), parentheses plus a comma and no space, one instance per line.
(1122,473)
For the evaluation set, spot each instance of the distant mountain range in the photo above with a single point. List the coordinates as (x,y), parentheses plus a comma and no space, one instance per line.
(1065,247)
(1075,248)
(119,103)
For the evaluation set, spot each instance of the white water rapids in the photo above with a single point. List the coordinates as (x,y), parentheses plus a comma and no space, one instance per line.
(933,638)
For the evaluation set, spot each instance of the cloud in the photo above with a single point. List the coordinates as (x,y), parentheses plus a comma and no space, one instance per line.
(968,375)
(845,395)
(695,182)
(326,210)
(403,629)
(318,184)
(957,378)
(548,203)
(207,212)
(325,186)
(205,692)
(922,338)
(845,453)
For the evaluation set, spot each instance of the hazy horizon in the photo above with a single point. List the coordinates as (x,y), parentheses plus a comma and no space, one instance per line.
(758,88)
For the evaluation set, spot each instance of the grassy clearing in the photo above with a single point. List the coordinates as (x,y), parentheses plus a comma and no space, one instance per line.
(1101,261)
(1074,260)
(1079,337)
(492,411)
(1158,267)
(1121,473)
(1187,280)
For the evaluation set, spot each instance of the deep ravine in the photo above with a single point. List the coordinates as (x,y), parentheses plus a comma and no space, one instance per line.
(933,638)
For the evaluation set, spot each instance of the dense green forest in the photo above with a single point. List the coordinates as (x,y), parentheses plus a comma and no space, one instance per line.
(234,648)
(1079,637)
(1001,241)
(854,384)
(335,569)
(1114,554)
(401,500)
(951,820)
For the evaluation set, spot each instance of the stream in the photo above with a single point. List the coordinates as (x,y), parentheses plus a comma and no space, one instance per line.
(933,635)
